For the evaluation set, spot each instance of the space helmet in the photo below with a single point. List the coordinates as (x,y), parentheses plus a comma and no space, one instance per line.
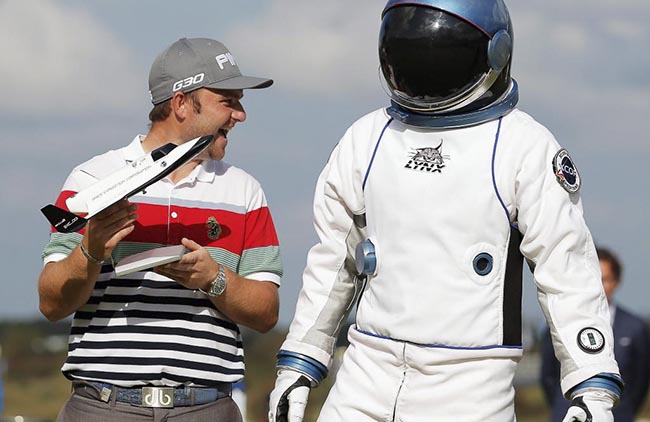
(446,63)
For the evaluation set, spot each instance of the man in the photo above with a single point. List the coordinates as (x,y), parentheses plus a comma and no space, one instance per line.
(424,210)
(165,344)
(631,348)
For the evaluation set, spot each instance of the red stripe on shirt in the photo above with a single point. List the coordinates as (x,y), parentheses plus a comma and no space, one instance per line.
(260,230)
(157,224)
(237,232)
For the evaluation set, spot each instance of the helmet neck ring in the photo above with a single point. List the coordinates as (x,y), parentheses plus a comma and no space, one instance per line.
(498,109)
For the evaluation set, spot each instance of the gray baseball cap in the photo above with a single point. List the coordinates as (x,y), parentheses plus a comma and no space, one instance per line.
(195,63)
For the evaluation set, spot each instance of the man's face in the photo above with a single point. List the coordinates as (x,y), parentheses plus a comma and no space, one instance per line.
(216,113)
(610,282)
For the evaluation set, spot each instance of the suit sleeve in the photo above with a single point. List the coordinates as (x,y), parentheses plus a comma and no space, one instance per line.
(329,282)
(559,249)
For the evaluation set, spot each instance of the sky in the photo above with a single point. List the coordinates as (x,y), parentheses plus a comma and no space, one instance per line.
(74,82)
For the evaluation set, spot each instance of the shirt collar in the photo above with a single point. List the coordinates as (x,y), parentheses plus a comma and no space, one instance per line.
(134,150)
(205,171)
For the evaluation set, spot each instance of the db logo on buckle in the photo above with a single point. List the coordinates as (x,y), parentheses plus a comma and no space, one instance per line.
(157,397)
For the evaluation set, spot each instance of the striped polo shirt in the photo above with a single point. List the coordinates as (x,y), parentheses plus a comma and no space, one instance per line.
(144,328)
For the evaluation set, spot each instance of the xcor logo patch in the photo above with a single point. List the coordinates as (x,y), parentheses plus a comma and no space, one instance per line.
(566,172)
(427,159)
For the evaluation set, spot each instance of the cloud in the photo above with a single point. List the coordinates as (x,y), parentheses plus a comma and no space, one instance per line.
(581,63)
(59,59)
(625,30)
(583,68)
(327,48)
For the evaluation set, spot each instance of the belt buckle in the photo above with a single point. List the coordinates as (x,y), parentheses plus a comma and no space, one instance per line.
(158,397)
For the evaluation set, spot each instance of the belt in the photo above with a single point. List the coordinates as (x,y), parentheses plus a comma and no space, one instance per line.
(151,396)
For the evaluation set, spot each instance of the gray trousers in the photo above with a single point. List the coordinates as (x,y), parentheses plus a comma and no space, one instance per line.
(86,409)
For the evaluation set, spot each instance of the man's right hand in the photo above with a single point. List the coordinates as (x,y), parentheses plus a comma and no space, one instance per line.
(65,286)
(288,399)
(105,230)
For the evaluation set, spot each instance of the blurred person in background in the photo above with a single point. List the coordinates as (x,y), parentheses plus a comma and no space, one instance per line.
(631,348)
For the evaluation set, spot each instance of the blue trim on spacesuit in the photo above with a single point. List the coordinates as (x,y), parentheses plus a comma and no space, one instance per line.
(381,135)
(494,181)
(452,121)
(303,364)
(438,346)
(605,381)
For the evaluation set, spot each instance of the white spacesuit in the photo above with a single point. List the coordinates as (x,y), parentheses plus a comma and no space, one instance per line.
(425,213)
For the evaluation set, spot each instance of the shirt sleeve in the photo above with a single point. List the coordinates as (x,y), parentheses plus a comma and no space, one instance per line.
(261,259)
(61,245)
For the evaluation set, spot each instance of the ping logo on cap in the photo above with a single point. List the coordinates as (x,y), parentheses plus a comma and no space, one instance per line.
(225,58)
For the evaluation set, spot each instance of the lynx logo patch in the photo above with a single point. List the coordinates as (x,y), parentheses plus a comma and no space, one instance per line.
(427,159)
(214,228)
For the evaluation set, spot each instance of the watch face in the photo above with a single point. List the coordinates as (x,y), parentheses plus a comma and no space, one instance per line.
(591,340)
(219,284)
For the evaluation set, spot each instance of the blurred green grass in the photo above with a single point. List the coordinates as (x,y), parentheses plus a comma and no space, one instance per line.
(35,388)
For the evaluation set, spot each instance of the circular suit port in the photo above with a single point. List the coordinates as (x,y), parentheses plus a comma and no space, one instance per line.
(483,263)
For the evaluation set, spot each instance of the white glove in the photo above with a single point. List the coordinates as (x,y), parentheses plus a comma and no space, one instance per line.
(591,406)
(289,397)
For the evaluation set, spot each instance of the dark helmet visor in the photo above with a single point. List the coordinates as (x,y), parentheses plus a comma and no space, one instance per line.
(428,56)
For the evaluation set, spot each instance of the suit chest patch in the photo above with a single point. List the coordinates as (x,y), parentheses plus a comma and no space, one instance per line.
(427,159)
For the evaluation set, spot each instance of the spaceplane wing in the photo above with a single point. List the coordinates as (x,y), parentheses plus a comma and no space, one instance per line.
(129,180)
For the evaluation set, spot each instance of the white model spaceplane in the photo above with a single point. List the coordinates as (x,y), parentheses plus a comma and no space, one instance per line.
(129,180)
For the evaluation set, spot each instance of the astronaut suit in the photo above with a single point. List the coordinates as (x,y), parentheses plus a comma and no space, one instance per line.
(426,211)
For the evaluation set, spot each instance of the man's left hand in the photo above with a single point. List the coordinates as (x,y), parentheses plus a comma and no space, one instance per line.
(195,270)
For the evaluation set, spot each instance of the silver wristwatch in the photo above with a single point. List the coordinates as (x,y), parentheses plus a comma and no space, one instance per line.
(218,286)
